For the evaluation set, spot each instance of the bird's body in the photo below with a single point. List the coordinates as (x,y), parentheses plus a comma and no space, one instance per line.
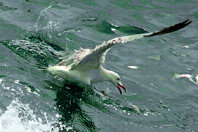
(85,76)
(85,65)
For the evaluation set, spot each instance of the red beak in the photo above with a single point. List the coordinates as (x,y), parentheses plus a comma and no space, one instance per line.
(119,85)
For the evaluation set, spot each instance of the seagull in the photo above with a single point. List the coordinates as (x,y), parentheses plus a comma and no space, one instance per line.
(86,65)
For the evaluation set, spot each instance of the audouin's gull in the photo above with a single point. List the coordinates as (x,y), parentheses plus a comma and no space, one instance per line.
(85,65)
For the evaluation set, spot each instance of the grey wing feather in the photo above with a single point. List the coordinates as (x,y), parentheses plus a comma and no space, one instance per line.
(97,56)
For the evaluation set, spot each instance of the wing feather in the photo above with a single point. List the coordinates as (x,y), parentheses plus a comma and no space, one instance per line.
(73,58)
(97,56)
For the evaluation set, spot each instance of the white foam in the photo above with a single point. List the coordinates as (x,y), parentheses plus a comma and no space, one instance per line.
(1,80)
(133,67)
(20,118)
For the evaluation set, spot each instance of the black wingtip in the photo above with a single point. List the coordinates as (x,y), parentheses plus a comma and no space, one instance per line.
(187,22)
(170,29)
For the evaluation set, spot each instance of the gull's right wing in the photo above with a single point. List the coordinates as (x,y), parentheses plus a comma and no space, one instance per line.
(97,56)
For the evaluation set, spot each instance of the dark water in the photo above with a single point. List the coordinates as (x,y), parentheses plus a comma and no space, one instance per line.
(162,93)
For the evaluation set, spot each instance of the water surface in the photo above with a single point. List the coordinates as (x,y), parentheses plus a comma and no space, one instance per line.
(162,91)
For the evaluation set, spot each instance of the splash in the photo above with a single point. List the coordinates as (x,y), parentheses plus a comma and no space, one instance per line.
(20,118)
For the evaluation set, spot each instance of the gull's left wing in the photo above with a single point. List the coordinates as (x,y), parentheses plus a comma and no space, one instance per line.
(97,56)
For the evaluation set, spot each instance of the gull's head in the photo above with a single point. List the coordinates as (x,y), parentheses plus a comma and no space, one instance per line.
(115,79)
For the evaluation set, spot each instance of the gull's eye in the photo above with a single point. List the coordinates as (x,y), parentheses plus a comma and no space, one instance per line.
(118,79)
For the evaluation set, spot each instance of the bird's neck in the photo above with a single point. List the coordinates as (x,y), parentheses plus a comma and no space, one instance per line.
(106,74)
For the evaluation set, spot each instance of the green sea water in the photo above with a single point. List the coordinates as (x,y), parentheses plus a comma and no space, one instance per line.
(162,83)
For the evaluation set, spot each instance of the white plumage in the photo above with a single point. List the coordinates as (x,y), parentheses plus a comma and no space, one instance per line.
(85,65)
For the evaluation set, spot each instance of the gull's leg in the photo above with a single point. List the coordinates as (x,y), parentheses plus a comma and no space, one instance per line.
(103,92)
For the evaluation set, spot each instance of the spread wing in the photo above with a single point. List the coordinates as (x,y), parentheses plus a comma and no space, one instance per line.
(96,57)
